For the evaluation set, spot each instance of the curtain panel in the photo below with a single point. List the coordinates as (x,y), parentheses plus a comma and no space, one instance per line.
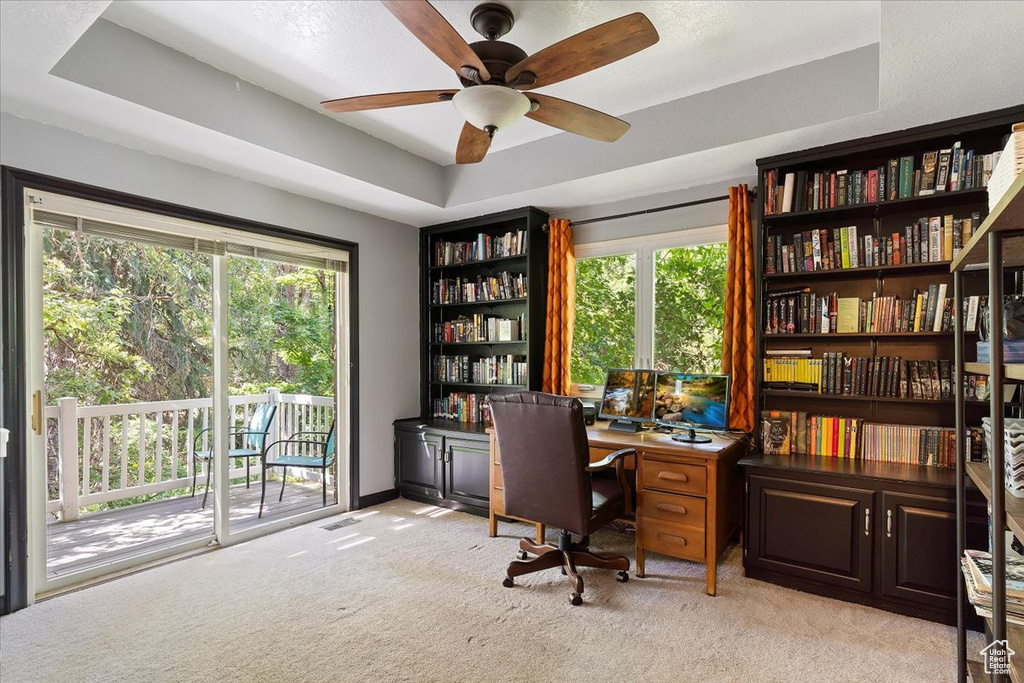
(740,318)
(560,308)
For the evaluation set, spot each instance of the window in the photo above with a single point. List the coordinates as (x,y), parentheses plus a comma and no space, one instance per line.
(656,302)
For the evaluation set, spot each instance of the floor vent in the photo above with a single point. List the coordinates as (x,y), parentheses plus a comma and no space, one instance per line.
(348,521)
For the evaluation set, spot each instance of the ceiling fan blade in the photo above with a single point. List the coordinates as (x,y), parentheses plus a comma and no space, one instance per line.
(586,51)
(434,31)
(575,118)
(385,100)
(473,145)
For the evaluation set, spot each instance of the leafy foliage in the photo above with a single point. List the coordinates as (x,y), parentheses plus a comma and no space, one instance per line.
(689,300)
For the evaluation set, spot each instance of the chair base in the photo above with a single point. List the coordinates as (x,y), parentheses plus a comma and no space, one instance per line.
(567,555)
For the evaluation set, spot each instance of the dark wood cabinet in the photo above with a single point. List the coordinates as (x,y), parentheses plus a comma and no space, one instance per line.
(856,531)
(467,474)
(918,529)
(817,531)
(418,462)
(437,462)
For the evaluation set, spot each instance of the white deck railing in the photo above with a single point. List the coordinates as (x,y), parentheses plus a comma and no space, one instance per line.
(100,454)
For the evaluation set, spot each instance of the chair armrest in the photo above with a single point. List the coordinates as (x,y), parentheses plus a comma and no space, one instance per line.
(266,451)
(610,459)
(195,441)
(295,434)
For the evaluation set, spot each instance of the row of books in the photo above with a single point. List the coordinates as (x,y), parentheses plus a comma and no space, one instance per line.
(463,290)
(802,311)
(977,569)
(483,248)
(797,433)
(480,328)
(837,374)
(934,239)
(945,170)
(491,370)
(462,407)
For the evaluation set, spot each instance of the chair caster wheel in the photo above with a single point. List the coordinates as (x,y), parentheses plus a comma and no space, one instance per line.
(623,577)
(576,599)
(521,555)
(508,582)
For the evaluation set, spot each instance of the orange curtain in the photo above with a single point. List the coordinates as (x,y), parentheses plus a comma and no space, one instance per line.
(561,308)
(738,336)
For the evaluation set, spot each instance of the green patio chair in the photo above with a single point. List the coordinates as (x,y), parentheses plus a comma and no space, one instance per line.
(321,462)
(255,437)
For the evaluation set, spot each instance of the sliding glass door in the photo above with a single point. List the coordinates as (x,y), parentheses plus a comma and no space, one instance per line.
(169,362)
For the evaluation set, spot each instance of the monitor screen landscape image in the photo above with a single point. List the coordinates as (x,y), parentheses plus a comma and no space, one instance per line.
(628,394)
(686,400)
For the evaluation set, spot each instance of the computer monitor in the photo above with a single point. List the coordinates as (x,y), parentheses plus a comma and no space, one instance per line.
(628,399)
(691,402)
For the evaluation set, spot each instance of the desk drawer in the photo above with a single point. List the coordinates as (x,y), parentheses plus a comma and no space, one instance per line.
(674,477)
(672,539)
(672,507)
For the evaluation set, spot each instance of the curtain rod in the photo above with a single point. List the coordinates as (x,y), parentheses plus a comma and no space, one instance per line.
(696,202)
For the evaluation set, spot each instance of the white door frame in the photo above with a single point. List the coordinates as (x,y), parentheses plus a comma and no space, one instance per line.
(39,582)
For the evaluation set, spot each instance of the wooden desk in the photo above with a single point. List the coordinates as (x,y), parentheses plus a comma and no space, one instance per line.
(689,496)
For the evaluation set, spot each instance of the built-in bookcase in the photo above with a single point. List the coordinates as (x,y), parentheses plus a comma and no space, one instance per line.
(483,298)
(884,212)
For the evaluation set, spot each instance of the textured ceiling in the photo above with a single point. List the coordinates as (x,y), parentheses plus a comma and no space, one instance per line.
(311,51)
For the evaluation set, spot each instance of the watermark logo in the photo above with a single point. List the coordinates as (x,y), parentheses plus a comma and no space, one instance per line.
(997,657)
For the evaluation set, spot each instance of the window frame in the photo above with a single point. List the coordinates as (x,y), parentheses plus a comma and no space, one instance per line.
(642,248)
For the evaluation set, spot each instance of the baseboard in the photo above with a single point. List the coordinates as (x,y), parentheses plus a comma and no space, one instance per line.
(376,498)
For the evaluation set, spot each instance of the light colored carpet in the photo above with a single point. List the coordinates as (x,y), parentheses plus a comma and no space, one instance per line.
(413,593)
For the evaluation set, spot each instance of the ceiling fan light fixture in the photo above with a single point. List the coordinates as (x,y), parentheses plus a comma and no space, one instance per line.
(491,106)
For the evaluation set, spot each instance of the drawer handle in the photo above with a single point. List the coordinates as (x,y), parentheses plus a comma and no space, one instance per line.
(669,507)
(673,476)
(672,539)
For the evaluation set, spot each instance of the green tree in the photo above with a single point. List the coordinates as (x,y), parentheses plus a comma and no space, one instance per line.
(604,331)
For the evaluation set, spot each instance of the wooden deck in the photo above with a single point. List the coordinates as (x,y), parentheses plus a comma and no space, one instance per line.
(103,537)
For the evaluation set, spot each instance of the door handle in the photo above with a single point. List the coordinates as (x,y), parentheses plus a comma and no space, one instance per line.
(448,455)
(888,523)
(37,412)
(4,435)
(867,521)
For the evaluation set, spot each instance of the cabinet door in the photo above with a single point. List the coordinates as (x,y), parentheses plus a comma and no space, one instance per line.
(467,478)
(814,531)
(418,462)
(919,560)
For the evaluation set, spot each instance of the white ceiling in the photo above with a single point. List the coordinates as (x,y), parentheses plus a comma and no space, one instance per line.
(234,87)
(312,51)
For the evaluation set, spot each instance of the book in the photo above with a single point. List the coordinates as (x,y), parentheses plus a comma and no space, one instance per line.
(787,195)
(906,183)
(942,170)
(892,180)
(929,163)
(775,433)
(971,319)
(847,315)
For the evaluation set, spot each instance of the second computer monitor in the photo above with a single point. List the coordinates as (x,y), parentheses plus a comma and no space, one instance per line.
(690,401)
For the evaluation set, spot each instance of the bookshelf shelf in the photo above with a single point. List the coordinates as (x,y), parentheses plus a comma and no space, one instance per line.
(480,343)
(492,302)
(836,273)
(1007,216)
(1013,372)
(857,335)
(484,262)
(491,385)
(796,393)
(981,475)
(907,204)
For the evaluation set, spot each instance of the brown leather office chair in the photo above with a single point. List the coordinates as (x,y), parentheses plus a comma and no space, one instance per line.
(546,472)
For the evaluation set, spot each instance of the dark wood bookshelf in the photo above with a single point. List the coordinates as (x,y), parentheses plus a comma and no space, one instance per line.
(835,273)
(924,204)
(482,262)
(533,263)
(888,525)
(492,302)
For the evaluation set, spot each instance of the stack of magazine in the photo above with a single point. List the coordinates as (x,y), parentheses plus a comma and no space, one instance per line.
(977,568)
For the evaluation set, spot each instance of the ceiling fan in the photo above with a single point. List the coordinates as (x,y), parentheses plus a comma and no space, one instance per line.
(494,72)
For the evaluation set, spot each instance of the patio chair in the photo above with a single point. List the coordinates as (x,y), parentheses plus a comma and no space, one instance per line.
(322,462)
(255,437)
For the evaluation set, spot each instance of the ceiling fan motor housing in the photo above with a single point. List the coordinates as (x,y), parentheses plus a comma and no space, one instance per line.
(497,56)
(492,20)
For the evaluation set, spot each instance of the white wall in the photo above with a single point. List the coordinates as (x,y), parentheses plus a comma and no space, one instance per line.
(702,215)
(388,259)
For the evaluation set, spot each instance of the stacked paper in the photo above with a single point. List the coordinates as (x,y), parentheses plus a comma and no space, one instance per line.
(1010,164)
(977,569)
(1013,450)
